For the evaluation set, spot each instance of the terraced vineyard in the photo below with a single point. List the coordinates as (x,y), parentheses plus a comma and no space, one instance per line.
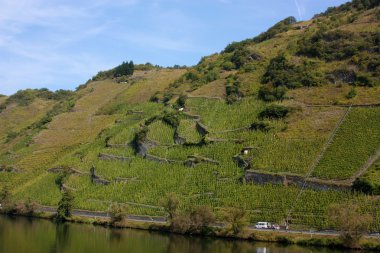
(203,132)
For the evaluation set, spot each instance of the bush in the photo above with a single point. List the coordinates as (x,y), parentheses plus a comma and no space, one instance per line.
(274,112)
(170,204)
(11,136)
(270,93)
(365,186)
(281,72)
(236,219)
(228,65)
(118,213)
(171,119)
(196,221)
(350,221)
(181,101)
(351,94)
(65,206)
(280,27)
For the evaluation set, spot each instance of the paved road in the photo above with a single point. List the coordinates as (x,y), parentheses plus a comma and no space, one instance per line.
(157,219)
(90,214)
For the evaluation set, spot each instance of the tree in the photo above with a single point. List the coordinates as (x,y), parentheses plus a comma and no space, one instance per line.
(65,206)
(196,221)
(236,219)
(171,204)
(118,213)
(350,221)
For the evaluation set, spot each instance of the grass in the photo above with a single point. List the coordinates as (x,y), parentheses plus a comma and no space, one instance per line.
(357,139)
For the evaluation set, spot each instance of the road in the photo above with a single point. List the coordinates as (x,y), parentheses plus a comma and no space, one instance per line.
(163,220)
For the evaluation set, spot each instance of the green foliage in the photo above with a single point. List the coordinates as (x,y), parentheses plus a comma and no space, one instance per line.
(232,89)
(65,206)
(196,221)
(270,94)
(171,118)
(170,204)
(236,218)
(281,72)
(274,111)
(366,186)
(11,136)
(335,44)
(351,94)
(26,97)
(124,69)
(181,101)
(280,27)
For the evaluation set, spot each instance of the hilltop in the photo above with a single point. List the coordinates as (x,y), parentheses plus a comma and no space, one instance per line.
(282,126)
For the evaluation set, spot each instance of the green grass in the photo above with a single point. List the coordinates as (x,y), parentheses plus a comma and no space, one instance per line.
(357,139)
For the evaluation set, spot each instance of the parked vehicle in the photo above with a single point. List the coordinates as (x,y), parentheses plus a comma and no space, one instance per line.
(263,225)
(276,227)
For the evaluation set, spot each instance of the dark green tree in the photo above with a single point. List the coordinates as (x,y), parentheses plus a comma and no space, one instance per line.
(65,206)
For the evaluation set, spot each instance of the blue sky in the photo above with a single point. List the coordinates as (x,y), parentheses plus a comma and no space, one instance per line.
(62,43)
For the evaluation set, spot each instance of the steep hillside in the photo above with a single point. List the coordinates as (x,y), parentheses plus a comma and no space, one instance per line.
(282,126)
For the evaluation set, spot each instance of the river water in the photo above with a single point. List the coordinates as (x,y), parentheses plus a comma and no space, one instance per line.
(19,235)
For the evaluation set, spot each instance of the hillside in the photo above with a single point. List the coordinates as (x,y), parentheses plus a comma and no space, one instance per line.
(282,125)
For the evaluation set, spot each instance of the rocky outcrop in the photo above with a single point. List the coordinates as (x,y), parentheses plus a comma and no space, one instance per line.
(288,180)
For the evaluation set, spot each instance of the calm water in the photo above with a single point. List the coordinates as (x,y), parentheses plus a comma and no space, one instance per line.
(21,235)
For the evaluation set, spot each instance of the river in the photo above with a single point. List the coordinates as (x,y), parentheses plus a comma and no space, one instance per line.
(29,235)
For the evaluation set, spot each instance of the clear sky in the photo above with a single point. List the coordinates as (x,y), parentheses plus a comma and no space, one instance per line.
(62,43)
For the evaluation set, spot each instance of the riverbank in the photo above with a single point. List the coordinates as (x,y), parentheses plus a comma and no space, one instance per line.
(284,237)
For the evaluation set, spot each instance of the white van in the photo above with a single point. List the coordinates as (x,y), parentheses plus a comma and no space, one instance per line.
(263,225)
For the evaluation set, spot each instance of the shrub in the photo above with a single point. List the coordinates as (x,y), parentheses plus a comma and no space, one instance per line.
(228,65)
(365,186)
(280,27)
(270,93)
(236,219)
(274,112)
(350,221)
(281,72)
(171,119)
(11,136)
(170,204)
(118,213)
(181,101)
(196,221)
(351,94)
(65,206)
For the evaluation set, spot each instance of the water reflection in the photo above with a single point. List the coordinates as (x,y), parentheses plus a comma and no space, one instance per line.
(21,235)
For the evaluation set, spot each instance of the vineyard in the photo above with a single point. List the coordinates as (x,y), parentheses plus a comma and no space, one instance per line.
(196,131)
